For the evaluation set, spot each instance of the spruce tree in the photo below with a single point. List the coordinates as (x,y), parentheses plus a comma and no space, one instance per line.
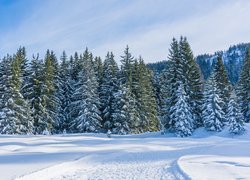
(145,99)
(20,105)
(65,92)
(7,125)
(123,115)
(243,88)
(223,84)
(50,100)
(127,79)
(191,79)
(98,68)
(15,112)
(163,96)
(181,69)
(75,66)
(174,76)
(235,117)
(108,87)
(127,61)
(140,120)
(213,114)
(25,72)
(34,94)
(85,104)
(182,114)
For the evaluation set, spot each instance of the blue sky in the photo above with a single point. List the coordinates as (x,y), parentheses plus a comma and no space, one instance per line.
(147,26)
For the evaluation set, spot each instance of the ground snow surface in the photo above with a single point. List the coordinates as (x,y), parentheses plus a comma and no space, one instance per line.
(205,155)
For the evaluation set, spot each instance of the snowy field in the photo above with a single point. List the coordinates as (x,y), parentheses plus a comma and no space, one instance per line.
(205,155)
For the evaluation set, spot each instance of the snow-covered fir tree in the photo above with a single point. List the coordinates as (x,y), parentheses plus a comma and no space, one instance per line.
(182,114)
(222,81)
(123,106)
(137,125)
(20,105)
(34,94)
(7,125)
(213,114)
(15,113)
(235,117)
(174,75)
(127,61)
(50,99)
(75,66)
(191,80)
(164,99)
(128,79)
(65,92)
(98,68)
(243,88)
(108,88)
(25,71)
(145,99)
(157,87)
(85,104)
(181,68)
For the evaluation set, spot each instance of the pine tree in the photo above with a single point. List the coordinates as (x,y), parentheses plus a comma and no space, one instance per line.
(221,77)
(243,88)
(34,94)
(182,114)
(50,100)
(65,92)
(15,112)
(7,125)
(157,91)
(181,69)
(123,106)
(191,80)
(140,119)
(213,114)
(98,68)
(223,84)
(108,87)
(163,96)
(145,99)
(85,104)
(129,79)
(20,105)
(20,56)
(127,67)
(75,66)
(235,117)
(174,76)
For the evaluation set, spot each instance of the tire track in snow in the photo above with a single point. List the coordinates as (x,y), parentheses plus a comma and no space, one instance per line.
(112,166)
(46,172)
(178,172)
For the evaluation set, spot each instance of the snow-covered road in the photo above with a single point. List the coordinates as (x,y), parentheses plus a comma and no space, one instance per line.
(146,156)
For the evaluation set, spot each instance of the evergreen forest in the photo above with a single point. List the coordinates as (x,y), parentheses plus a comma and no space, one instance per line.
(83,93)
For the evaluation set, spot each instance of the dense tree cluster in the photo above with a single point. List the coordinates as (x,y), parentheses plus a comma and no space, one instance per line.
(233,59)
(76,94)
(82,93)
(187,101)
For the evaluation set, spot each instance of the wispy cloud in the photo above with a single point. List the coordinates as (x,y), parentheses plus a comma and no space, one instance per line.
(147,26)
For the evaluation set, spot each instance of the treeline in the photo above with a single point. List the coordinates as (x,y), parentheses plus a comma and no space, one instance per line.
(82,93)
(187,101)
(232,59)
(76,94)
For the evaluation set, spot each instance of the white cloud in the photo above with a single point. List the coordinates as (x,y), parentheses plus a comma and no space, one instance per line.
(207,33)
(147,26)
